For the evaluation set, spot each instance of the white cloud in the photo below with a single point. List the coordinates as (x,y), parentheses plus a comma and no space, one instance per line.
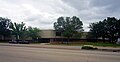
(43,13)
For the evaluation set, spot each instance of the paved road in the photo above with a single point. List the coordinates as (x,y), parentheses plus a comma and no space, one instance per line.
(27,54)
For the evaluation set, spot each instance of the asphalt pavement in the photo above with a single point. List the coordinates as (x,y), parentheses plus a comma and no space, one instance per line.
(28,54)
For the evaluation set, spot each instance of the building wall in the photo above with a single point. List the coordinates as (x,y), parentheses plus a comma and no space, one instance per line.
(45,34)
(84,35)
(48,34)
(52,34)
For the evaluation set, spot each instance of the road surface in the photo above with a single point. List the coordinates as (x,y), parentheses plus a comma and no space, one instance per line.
(28,54)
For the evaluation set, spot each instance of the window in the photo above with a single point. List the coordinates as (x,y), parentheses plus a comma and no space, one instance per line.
(58,33)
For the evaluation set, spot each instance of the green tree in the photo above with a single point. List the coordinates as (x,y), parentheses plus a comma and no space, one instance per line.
(118,27)
(94,30)
(68,26)
(4,27)
(19,30)
(34,33)
(97,29)
(107,28)
(111,28)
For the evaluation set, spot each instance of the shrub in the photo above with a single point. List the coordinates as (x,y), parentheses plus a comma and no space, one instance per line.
(89,47)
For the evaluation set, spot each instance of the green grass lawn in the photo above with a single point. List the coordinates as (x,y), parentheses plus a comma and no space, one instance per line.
(94,44)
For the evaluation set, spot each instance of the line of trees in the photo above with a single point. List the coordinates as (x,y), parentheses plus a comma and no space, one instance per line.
(21,32)
(109,28)
(70,27)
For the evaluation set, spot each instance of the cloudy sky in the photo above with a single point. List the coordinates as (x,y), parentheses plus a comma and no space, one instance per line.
(43,13)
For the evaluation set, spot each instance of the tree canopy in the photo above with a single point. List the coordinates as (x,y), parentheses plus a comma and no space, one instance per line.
(34,33)
(108,28)
(68,26)
(19,30)
(4,26)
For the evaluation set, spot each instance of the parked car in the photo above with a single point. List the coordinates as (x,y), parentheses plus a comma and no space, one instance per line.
(23,42)
(19,42)
(13,42)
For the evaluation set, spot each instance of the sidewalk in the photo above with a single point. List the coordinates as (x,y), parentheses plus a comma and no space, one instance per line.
(111,49)
(43,46)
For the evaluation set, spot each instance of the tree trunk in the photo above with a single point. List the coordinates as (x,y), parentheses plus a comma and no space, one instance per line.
(17,37)
(96,39)
(3,38)
(103,39)
(112,39)
(62,41)
(68,39)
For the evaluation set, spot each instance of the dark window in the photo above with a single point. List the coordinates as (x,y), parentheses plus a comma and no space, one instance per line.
(58,33)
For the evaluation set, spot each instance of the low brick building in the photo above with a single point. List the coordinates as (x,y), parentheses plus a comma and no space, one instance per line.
(48,35)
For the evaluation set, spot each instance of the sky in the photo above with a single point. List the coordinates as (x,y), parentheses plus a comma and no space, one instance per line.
(43,13)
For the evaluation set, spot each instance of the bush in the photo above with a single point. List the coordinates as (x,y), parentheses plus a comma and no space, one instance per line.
(89,47)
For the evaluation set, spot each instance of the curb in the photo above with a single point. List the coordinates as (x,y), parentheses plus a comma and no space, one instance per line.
(41,47)
(111,50)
